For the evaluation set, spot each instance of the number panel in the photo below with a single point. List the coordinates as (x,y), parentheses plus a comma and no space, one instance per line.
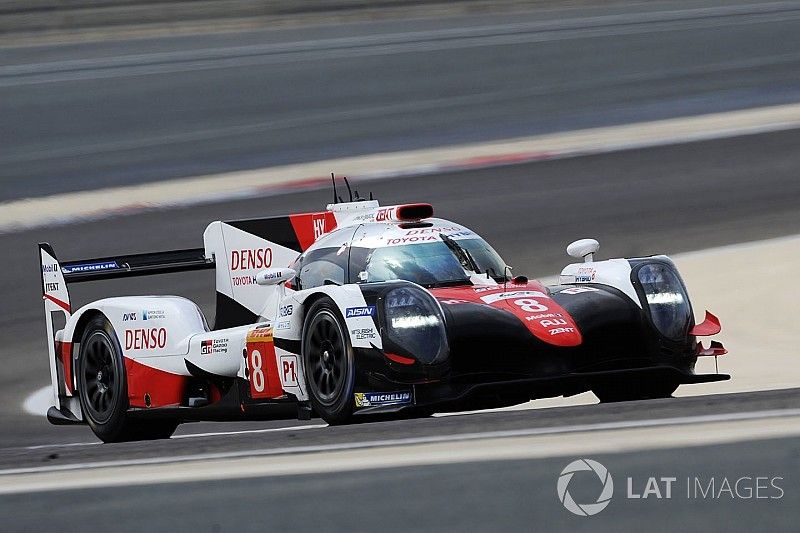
(262,365)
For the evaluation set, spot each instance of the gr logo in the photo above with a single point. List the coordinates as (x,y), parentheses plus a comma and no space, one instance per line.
(585,509)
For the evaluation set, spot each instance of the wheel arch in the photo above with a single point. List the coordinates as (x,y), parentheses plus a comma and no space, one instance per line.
(344,297)
(81,321)
(309,302)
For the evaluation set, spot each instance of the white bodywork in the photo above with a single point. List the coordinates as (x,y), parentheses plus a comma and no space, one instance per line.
(612,272)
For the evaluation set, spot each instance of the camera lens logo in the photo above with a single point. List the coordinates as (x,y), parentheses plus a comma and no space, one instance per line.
(585,509)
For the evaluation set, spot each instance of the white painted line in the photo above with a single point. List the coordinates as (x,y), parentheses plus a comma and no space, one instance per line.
(89,205)
(433,453)
(412,441)
(249,431)
(65,445)
(190,436)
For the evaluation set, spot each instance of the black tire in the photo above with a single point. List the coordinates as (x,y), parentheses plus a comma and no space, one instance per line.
(328,363)
(103,389)
(627,391)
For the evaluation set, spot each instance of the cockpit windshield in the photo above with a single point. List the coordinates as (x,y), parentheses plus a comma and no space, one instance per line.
(433,263)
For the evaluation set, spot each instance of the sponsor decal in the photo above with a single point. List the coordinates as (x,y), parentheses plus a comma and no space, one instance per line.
(585,275)
(90,267)
(383,215)
(50,287)
(363,218)
(543,315)
(239,281)
(251,259)
(212,346)
(283,325)
(559,331)
(288,365)
(364,333)
(352,312)
(578,290)
(426,231)
(50,268)
(454,302)
(550,322)
(486,289)
(459,234)
(261,332)
(410,240)
(275,274)
(318,220)
(150,314)
(491,298)
(128,317)
(374,399)
(286,310)
(145,339)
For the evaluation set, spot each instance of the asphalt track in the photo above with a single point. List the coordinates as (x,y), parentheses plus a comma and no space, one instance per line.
(666,199)
(494,496)
(103,114)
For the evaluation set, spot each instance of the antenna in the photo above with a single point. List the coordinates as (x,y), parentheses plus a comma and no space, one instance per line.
(349,190)
(333,180)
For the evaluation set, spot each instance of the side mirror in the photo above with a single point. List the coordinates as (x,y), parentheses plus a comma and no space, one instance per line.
(584,248)
(275,276)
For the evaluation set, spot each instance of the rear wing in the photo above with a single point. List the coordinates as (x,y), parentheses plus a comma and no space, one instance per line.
(55,277)
(122,266)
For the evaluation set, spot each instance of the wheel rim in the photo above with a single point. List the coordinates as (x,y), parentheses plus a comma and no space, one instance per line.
(99,377)
(327,358)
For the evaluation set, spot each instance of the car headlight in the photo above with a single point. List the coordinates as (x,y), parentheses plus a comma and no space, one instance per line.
(414,323)
(666,297)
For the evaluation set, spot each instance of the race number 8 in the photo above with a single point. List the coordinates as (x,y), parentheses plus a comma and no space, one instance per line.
(530,305)
(257,374)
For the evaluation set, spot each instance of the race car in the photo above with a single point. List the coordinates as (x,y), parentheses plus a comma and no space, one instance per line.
(360,311)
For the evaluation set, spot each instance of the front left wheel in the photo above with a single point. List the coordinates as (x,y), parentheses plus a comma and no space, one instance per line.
(103,390)
(328,363)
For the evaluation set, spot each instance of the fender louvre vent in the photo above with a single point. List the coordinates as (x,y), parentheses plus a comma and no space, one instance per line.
(414,211)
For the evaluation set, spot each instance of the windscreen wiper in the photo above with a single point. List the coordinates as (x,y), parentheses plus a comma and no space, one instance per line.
(462,254)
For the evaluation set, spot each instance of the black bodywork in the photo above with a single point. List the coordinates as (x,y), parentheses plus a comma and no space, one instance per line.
(493,360)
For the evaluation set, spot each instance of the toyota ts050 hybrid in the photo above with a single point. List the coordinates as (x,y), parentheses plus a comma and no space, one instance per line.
(360,310)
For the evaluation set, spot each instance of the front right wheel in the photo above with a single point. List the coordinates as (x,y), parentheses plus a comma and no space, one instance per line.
(328,363)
